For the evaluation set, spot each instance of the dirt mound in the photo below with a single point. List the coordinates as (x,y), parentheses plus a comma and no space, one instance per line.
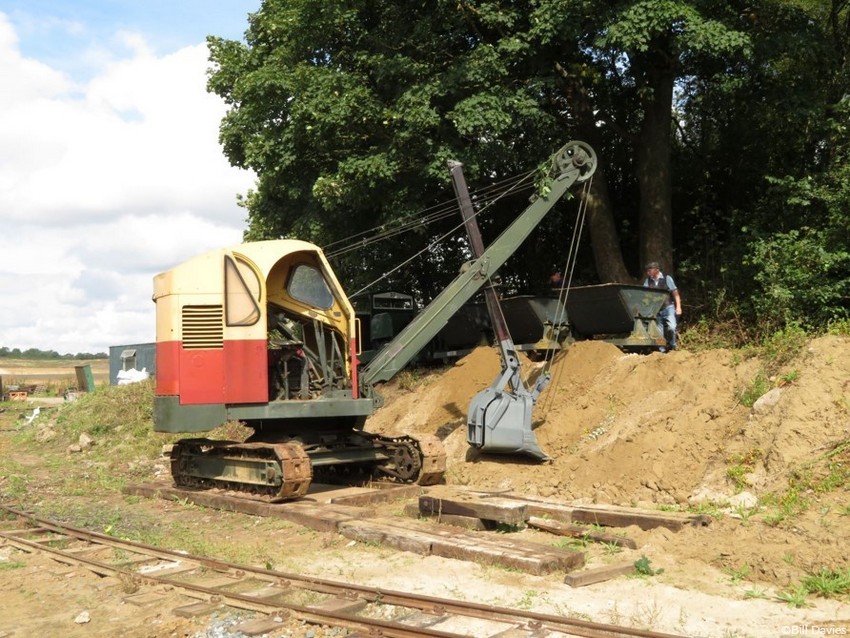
(656,430)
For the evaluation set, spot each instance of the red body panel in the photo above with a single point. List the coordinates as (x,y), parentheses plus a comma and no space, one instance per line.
(237,373)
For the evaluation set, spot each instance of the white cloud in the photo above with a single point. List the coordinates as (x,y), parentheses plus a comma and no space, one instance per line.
(102,185)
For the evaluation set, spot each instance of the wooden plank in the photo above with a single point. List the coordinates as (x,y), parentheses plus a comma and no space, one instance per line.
(195,609)
(599,574)
(259,626)
(267,594)
(609,515)
(422,619)
(500,510)
(144,599)
(378,495)
(321,517)
(370,531)
(466,522)
(577,531)
(340,605)
(519,632)
(645,519)
(515,551)
(450,542)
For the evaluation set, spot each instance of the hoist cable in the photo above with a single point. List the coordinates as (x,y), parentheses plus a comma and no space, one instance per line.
(484,196)
(453,230)
(566,282)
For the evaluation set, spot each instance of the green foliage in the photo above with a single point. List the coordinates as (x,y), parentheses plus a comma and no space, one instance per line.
(826,473)
(123,412)
(755,390)
(795,597)
(643,568)
(775,351)
(828,583)
(839,327)
(742,464)
(801,278)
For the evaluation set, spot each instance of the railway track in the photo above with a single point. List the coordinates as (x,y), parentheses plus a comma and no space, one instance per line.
(360,610)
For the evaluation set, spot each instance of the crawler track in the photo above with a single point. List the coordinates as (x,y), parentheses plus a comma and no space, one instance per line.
(359,609)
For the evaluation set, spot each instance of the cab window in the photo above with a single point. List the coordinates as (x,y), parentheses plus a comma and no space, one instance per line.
(242,292)
(307,285)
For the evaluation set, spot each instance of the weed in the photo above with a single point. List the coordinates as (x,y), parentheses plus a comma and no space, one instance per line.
(839,327)
(643,568)
(795,598)
(741,465)
(755,592)
(828,583)
(708,508)
(783,345)
(788,378)
(11,565)
(741,573)
(745,513)
(527,600)
(646,615)
(611,548)
(773,520)
(408,380)
(758,387)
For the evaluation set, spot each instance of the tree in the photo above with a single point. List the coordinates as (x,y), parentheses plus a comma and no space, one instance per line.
(332,103)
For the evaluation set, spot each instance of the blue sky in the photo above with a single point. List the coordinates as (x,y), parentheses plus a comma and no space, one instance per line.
(62,33)
(110,167)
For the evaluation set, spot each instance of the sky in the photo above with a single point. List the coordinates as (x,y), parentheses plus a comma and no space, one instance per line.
(110,166)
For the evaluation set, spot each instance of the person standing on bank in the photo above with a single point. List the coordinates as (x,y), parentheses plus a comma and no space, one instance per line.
(672,308)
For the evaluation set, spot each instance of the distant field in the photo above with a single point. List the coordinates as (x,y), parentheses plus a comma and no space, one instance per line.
(57,374)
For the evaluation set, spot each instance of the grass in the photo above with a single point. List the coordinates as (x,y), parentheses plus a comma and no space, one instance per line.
(742,464)
(775,351)
(825,583)
(826,473)
(740,573)
(795,597)
(828,583)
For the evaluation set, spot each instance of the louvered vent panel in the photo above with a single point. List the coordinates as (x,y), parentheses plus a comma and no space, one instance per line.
(203,327)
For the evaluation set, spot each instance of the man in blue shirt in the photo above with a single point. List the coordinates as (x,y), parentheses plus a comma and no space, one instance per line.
(672,307)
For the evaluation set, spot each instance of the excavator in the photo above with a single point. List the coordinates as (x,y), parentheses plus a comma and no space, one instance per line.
(262,333)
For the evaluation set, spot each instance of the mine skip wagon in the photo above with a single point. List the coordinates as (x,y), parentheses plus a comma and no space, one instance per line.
(621,314)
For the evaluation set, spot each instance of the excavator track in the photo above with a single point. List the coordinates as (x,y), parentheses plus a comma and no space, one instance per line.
(266,471)
(276,472)
(420,459)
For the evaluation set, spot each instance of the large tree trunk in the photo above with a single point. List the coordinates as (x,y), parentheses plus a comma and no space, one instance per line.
(604,239)
(653,164)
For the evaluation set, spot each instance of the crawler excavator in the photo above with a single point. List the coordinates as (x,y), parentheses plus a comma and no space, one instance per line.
(263,333)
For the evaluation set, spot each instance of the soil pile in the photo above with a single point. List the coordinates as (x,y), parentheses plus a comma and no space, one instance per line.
(660,430)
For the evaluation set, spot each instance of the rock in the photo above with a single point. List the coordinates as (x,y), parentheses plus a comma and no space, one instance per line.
(746,500)
(82,618)
(44,434)
(766,401)
(85,441)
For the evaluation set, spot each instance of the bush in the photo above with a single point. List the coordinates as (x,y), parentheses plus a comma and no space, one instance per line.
(800,278)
